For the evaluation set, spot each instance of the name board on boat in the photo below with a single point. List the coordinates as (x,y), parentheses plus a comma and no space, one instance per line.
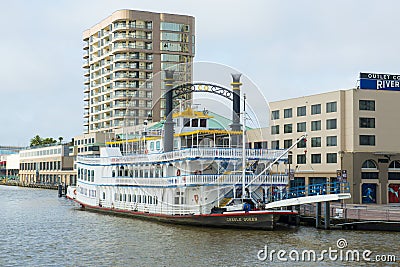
(378,81)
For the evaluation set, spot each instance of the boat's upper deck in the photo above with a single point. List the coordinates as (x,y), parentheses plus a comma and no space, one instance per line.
(205,153)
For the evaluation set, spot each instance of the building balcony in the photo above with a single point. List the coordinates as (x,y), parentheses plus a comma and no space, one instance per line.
(86,89)
(86,46)
(86,65)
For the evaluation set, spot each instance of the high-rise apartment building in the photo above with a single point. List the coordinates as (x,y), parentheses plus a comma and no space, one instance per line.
(124,57)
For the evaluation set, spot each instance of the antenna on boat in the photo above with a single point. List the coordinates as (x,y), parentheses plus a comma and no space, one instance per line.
(244,147)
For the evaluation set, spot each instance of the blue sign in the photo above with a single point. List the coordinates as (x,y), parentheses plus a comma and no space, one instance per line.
(380,81)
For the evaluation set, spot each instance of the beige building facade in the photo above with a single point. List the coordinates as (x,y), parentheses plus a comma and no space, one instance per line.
(123,57)
(353,130)
(90,143)
(50,165)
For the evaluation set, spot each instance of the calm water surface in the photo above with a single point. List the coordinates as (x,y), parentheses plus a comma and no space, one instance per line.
(40,229)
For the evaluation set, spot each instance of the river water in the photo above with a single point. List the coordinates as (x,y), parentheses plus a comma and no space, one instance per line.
(40,229)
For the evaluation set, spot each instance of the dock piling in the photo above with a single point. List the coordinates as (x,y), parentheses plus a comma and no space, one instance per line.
(318,215)
(327,215)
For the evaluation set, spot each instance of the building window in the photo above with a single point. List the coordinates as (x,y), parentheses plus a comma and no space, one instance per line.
(367,122)
(287,143)
(369,164)
(331,158)
(287,113)
(316,142)
(394,175)
(315,125)
(301,159)
(275,144)
(394,165)
(275,115)
(331,107)
(301,127)
(367,140)
(301,111)
(316,109)
(367,105)
(331,141)
(315,158)
(302,144)
(331,124)
(369,175)
(394,170)
(288,128)
(275,129)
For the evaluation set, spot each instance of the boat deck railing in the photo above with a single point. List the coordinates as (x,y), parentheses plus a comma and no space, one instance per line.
(188,153)
(196,180)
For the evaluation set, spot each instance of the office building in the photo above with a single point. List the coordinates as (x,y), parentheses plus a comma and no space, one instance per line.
(352,135)
(49,165)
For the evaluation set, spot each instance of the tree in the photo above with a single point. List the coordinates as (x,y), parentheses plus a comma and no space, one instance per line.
(60,139)
(48,141)
(36,141)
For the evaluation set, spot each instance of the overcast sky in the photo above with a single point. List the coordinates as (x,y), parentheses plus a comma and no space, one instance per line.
(287,48)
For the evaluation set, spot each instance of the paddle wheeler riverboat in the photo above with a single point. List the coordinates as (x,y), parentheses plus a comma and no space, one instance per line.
(203,177)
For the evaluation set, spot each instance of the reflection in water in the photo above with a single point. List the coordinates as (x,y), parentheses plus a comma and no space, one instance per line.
(39,229)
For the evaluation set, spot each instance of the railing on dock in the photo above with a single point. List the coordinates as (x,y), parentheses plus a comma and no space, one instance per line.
(357,212)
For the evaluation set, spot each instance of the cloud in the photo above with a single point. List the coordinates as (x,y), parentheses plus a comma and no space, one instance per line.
(287,48)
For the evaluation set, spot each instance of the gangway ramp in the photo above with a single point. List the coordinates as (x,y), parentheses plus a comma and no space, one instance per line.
(307,200)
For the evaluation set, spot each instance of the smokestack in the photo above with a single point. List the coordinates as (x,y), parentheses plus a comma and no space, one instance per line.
(236,126)
(168,124)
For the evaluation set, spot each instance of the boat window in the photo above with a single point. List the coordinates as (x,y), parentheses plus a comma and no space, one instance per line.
(195,123)
(158,145)
(139,198)
(120,197)
(113,173)
(144,199)
(129,198)
(134,198)
(151,146)
(104,195)
(186,122)
(150,200)
(203,123)
(136,172)
(141,173)
(121,169)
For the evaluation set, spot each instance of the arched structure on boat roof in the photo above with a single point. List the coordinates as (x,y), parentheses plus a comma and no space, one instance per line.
(173,92)
(200,87)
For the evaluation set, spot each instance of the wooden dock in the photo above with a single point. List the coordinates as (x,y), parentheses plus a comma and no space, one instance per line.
(355,216)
